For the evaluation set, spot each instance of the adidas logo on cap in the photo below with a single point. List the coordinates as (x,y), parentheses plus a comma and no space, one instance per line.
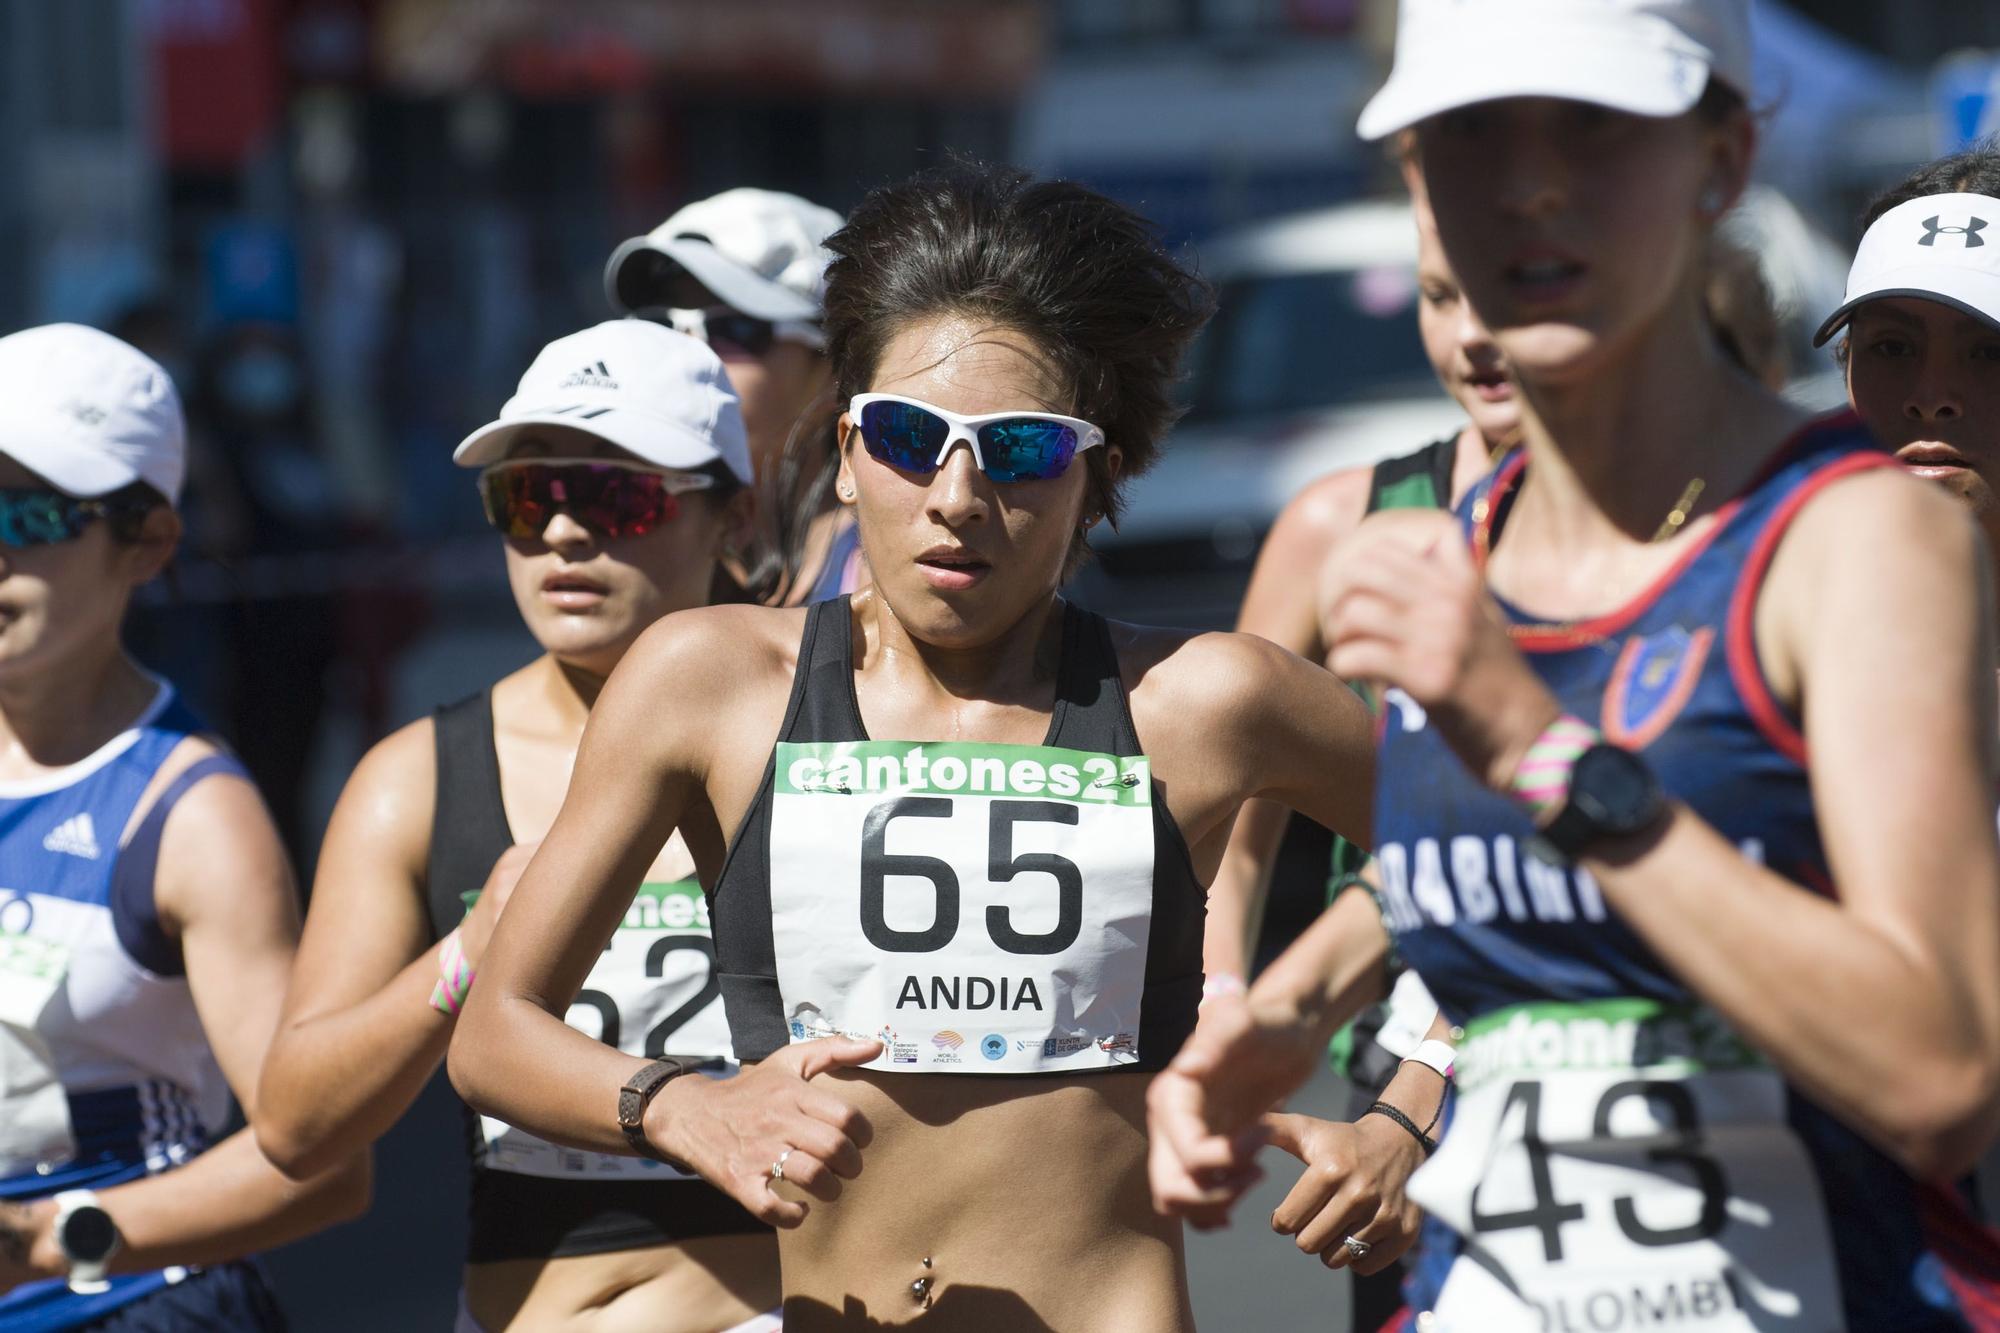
(75,836)
(590,377)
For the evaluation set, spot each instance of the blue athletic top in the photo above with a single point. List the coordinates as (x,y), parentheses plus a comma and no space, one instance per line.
(120,1031)
(1674,675)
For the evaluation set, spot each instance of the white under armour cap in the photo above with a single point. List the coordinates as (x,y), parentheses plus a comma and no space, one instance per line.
(657,394)
(762,252)
(89,413)
(1938,247)
(1645,57)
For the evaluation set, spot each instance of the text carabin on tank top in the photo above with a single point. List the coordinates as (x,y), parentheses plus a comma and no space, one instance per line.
(976,908)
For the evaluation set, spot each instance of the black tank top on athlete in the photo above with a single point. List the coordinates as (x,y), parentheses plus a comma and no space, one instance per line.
(1090,714)
(515,1216)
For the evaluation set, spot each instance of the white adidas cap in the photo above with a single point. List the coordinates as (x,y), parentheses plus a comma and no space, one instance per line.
(762,252)
(657,394)
(1938,247)
(89,413)
(1646,57)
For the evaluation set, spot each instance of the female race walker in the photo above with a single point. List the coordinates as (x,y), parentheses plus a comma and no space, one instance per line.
(1922,325)
(954,830)
(616,475)
(1722,930)
(148,918)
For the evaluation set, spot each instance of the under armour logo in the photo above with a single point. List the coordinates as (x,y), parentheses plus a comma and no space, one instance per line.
(1970,231)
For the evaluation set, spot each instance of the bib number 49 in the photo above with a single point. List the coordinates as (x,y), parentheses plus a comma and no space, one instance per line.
(1548,1216)
(878,863)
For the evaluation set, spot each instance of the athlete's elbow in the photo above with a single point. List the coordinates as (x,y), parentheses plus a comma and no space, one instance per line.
(290,1145)
(467,1064)
(1948,1117)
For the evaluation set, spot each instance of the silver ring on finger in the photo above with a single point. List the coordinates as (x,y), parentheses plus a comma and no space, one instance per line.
(1357,1247)
(778,1167)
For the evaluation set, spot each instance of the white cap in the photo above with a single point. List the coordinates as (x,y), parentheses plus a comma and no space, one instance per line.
(659,395)
(1646,57)
(1938,247)
(89,413)
(760,251)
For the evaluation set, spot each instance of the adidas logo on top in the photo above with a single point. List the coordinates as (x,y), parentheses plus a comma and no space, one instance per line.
(75,836)
(590,377)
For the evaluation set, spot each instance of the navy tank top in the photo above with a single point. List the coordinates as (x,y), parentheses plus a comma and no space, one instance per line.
(1497,934)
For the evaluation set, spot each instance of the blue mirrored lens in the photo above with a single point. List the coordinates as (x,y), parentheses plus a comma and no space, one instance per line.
(38,518)
(904,435)
(1027,449)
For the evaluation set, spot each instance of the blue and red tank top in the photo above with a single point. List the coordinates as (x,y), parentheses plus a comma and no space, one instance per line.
(1673,675)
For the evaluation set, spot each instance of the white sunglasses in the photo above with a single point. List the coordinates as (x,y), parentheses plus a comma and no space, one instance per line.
(914,436)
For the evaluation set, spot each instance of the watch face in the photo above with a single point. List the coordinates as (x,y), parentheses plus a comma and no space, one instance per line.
(1616,789)
(89,1235)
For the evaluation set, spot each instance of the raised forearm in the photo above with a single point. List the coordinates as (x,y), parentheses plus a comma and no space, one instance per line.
(1852,1012)
(1333,971)
(227,1204)
(1242,884)
(335,1082)
(514,1060)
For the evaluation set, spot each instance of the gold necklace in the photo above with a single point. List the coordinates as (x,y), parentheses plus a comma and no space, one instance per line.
(1678,515)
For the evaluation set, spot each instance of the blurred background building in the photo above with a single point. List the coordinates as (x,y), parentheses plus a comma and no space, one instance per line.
(346,226)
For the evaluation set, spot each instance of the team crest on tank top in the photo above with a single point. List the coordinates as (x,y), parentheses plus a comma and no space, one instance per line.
(1618,1157)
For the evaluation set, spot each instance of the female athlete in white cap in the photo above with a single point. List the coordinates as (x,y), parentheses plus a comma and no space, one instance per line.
(1922,324)
(1722,929)
(954,830)
(147,915)
(617,476)
(745,270)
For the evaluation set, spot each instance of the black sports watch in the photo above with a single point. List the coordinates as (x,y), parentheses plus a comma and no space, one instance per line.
(88,1239)
(1612,794)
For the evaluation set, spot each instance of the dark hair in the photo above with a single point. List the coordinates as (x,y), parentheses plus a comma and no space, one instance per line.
(1084,278)
(125,509)
(1975,170)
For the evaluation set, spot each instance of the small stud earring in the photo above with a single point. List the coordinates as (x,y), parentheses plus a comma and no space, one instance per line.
(1711,200)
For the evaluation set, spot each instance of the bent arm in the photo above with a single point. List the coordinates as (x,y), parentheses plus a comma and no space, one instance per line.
(512,1055)
(1280,605)
(224,888)
(358,1039)
(1880,1000)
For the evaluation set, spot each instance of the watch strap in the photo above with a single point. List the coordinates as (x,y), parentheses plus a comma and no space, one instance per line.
(637,1094)
(87,1275)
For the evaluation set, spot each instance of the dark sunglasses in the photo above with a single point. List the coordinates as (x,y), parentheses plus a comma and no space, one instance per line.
(722,324)
(612,499)
(34,516)
(914,436)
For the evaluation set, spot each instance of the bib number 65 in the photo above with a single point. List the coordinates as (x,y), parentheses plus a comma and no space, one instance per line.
(878,863)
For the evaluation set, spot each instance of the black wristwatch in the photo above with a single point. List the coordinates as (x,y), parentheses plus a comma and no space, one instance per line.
(1612,794)
(88,1239)
(637,1094)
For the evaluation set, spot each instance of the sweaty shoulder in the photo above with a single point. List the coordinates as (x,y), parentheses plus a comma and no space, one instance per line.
(1319,516)
(716,655)
(1868,543)
(1187,683)
(390,799)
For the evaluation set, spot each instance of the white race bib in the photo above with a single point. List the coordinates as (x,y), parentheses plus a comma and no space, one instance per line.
(979,909)
(35,935)
(1625,1165)
(652,992)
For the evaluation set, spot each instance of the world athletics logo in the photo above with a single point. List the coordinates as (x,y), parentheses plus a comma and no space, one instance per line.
(947,1040)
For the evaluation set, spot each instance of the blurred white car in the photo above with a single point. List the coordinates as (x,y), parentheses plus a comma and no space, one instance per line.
(1313,364)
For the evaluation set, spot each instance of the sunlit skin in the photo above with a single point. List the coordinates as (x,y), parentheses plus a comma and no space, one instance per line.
(1578,234)
(959,637)
(586,597)
(356,1042)
(221,888)
(1926,378)
(935,541)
